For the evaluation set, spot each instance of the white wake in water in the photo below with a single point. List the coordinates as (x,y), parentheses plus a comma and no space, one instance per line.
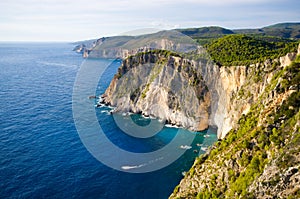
(133,167)
(56,64)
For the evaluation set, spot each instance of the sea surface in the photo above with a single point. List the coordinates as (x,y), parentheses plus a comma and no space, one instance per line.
(41,153)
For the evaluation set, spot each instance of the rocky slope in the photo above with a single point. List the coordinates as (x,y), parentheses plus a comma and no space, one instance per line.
(259,155)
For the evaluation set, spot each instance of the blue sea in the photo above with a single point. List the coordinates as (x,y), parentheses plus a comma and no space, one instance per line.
(42,155)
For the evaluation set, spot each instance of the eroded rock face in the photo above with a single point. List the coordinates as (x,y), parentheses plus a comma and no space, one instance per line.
(192,94)
(234,89)
(163,86)
(282,181)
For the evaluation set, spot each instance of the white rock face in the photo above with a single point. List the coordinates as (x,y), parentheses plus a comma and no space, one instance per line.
(287,60)
(190,94)
(165,87)
(235,88)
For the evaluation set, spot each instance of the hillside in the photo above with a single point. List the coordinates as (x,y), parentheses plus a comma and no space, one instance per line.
(208,32)
(260,156)
(240,49)
(204,35)
(282,30)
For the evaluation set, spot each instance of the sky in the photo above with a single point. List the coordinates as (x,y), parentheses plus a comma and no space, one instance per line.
(75,20)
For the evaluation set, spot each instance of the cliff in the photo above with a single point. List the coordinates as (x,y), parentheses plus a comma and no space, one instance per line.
(201,94)
(163,85)
(238,87)
(259,155)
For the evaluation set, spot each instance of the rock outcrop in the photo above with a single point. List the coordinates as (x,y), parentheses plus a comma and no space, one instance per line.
(161,85)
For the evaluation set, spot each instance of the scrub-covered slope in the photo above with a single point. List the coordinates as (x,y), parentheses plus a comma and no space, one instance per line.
(260,156)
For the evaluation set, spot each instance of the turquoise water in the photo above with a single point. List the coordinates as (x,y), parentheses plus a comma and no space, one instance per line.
(41,153)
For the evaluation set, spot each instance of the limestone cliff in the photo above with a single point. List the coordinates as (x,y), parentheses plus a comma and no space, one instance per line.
(238,87)
(259,155)
(189,93)
(162,85)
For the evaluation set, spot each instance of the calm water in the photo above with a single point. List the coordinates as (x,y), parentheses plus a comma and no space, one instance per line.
(41,154)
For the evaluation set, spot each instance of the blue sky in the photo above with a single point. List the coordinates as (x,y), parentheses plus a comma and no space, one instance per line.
(73,20)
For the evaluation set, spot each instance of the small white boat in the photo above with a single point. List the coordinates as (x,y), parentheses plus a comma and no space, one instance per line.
(185,147)
(204,148)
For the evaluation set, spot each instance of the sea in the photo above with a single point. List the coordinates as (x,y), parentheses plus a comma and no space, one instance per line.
(42,153)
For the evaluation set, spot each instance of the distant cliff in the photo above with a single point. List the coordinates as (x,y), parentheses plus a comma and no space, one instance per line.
(125,46)
(85,48)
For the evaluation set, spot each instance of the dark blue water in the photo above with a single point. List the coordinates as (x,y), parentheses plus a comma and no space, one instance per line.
(41,154)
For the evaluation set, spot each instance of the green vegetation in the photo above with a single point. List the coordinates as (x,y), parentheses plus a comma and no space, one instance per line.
(159,52)
(205,35)
(286,30)
(206,32)
(273,33)
(244,50)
